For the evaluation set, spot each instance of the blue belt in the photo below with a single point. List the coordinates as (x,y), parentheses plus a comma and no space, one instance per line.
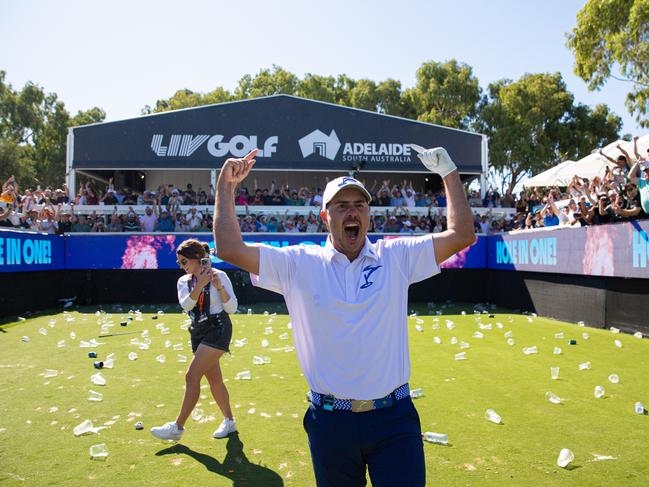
(330,403)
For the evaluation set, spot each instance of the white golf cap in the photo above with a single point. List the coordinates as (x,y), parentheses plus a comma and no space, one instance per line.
(339,184)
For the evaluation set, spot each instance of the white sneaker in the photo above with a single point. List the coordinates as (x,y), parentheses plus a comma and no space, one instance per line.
(168,431)
(227,426)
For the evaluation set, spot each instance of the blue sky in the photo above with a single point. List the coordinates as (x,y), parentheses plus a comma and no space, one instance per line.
(123,55)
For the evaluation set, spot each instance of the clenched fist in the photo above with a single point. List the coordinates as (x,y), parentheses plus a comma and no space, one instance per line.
(235,170)
(436,160)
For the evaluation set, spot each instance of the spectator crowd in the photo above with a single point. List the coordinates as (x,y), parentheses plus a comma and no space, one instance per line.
(621,194)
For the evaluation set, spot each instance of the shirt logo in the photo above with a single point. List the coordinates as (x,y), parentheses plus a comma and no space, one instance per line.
(367,272)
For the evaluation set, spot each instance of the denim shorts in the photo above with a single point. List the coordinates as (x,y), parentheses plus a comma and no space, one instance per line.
(216,332)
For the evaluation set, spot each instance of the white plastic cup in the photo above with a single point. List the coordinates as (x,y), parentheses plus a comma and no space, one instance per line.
(599,392)
(639,408)
(554,373)
(614,379)
(460,356)
(565,457)
(416,393)
(552,397)
(95,396)
(557,351)
(492,416)
(438,438)
(584,366)
(99,452)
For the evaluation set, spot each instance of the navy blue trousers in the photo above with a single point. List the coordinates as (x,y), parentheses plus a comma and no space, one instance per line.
(385,441)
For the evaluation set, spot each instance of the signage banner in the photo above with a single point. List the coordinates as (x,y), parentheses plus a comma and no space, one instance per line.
(159,252)
(29,251)
(291,134)
(617,250)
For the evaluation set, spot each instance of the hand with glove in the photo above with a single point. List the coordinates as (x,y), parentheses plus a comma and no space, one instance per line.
(436,160)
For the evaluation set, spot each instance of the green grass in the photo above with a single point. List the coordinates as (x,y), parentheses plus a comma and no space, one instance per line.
(37,446)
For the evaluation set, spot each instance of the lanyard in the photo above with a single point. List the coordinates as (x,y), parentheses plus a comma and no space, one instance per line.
(201,297)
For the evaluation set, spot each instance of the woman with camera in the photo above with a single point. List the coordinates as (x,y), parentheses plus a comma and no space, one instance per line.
(207,295)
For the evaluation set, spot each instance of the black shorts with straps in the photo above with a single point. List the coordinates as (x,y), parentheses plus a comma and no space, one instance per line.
(215,332)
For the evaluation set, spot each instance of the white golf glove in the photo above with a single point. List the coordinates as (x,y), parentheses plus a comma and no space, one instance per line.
(436,160)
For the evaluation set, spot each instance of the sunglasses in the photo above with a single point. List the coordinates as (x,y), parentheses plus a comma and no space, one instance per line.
(181,262)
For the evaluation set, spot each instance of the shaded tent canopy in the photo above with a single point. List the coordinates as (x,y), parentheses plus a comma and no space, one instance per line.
(592,165)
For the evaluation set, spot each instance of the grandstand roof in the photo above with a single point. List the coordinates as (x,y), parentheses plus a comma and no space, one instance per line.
(292,134)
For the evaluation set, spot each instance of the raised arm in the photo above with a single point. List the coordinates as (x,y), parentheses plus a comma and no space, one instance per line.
(459,233)
(610,159)
(635,148)
(227,235)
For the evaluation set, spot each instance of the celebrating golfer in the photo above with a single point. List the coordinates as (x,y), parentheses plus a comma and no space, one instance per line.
(348,306)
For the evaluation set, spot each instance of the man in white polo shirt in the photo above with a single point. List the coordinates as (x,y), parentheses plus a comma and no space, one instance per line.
(348,306)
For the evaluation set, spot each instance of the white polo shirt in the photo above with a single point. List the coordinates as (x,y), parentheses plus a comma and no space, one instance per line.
(349,319)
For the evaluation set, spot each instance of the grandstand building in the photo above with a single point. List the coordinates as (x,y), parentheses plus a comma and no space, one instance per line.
(301,142)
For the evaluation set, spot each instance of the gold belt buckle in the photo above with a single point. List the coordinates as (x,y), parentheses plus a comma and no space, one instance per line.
(360,406)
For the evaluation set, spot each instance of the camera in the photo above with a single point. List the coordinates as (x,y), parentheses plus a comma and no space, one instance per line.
(206,262)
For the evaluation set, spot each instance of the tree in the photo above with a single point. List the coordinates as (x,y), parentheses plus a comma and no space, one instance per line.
(533,124)
(614,34)
(316,87)
(446,94)
(389,97)
(187,99)
(267,82)
(33,133)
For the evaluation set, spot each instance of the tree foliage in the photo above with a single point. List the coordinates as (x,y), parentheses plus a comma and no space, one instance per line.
(533,124)
(33,133)
(612,35)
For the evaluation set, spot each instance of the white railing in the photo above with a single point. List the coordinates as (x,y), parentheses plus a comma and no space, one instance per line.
(274,210)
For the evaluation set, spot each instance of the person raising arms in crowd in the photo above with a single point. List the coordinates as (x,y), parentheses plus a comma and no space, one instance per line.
(348,305)
(207,295)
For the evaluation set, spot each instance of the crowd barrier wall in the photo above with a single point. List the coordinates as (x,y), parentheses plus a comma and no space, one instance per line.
(551,281)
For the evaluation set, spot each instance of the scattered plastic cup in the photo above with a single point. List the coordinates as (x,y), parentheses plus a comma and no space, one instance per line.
(639,408)
(92,354)
(25,338)
(139,426)
(416,393)
(584,366)
(530,350)
(464,345)
(50,373)
(558,335)
(492,416)
(438,438)
(161,358)
(509,334)
(552,397)
(95,396)
(453,340)
(132,356)
(618,343)
(197,414)
(437,340)
(98,379)
(460,356)
(84,428)
(243,375)
(614,379)
(98,365)
(557,351)
(614,330)
(182,358)
(42,331)
(585,336)
(264,343)
(599,392)
(99,452)
(565,457)
(60,343)
(260,360)
(554,373)
(511,342)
